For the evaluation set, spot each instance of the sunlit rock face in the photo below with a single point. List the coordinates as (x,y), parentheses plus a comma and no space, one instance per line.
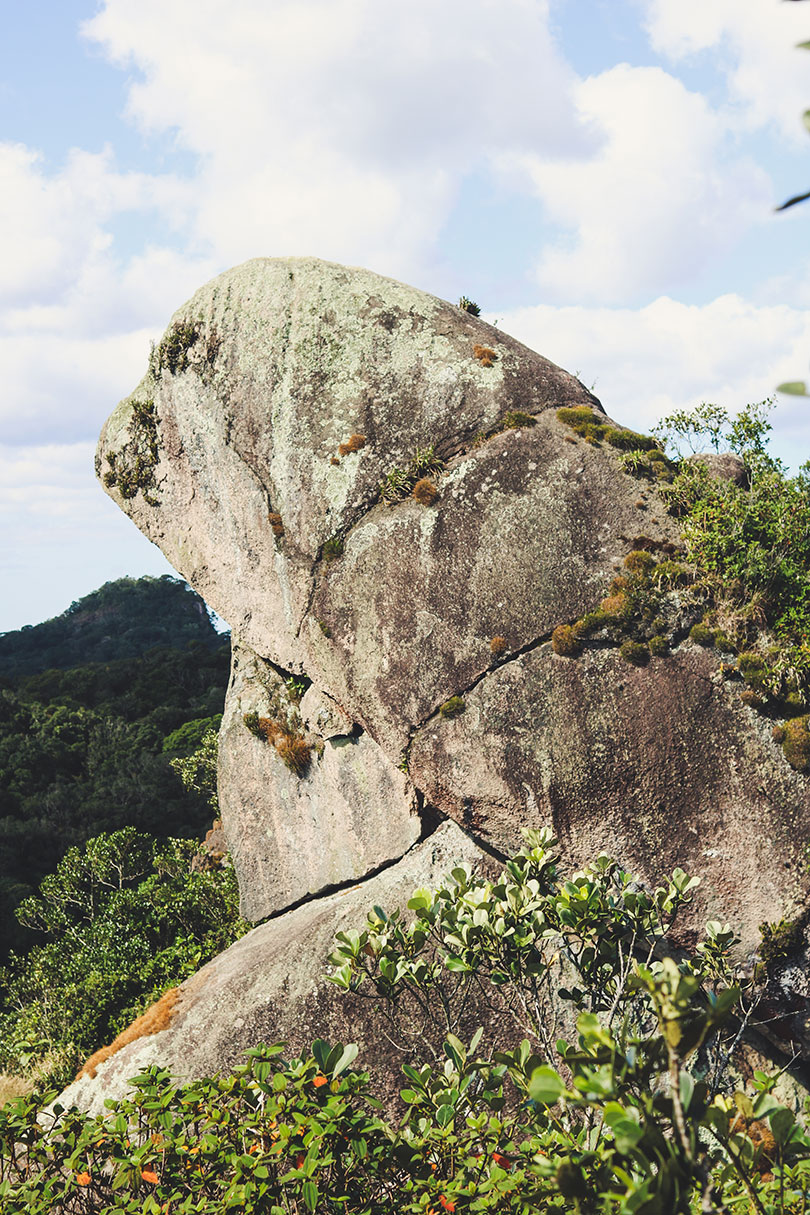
(373,487)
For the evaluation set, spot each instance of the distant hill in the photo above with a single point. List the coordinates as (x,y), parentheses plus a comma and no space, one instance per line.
(93,706)
(122,619)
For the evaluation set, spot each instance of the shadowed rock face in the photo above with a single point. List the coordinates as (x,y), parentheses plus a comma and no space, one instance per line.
(235,454)
(271,985)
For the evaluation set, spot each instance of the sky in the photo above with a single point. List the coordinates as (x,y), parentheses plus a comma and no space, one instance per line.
(600,175)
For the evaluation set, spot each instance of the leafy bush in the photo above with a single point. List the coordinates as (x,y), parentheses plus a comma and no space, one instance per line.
(124,918)
(633,1114)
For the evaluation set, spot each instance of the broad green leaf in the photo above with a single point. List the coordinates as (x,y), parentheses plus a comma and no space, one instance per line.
(782,1123)
(545,1086)
(346,1059)
(686,1087)
(320,1052)
(310,1195)
(627,1134)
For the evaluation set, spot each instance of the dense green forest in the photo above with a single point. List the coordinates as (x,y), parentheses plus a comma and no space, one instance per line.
(94,704)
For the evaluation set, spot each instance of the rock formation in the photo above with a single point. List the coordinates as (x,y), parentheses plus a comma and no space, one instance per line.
(374,489)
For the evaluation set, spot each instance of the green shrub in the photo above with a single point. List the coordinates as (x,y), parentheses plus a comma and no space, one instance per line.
(565,640)
(635,652)
(702,635)
(124,918)
(659,645)
(796,745)
(632,1114)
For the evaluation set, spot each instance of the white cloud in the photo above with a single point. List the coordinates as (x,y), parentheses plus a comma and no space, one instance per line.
(767,77)
(75,317)
(341,128)
(658,200)
(643,363)
(61,535)
(52,225)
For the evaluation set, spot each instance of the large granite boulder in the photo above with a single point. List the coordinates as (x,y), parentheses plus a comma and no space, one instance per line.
(272,985)
(271,451)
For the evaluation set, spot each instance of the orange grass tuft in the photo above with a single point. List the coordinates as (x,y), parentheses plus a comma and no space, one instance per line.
(485,356)
(498,645)
(272,730)
(353,443)
(425,491)
(295,752)
(155,1019)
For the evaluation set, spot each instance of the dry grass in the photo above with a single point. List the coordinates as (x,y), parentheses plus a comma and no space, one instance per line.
(485,356)
(353,443)
(498,645)
(155,1019)
(425,491)
(276,523)
(271,729)
(295,752)
(14,1086)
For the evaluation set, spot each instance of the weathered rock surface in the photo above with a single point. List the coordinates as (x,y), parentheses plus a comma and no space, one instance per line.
(294,356)
(661,765)
(518,542)
(252,453)
(723,465)
(272,985)
(291,836)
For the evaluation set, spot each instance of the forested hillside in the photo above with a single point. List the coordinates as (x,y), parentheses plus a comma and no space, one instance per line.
(93,706)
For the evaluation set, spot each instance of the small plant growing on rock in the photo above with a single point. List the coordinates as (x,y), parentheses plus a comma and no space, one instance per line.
(701,634)
(276,523)
(754,670)
(295,752)
(132,469)
(498,646)
(352,444)
(332,549)
(796,744)
(400,482)
(468,305)
(425,492)
(565,641)
(485,355)
(659,645)
(516,419)
(635,652)
(291,746)
(630,440)
(452,707)
(640,561)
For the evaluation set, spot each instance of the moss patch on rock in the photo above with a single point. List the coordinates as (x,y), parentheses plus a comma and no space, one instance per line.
(131,470)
